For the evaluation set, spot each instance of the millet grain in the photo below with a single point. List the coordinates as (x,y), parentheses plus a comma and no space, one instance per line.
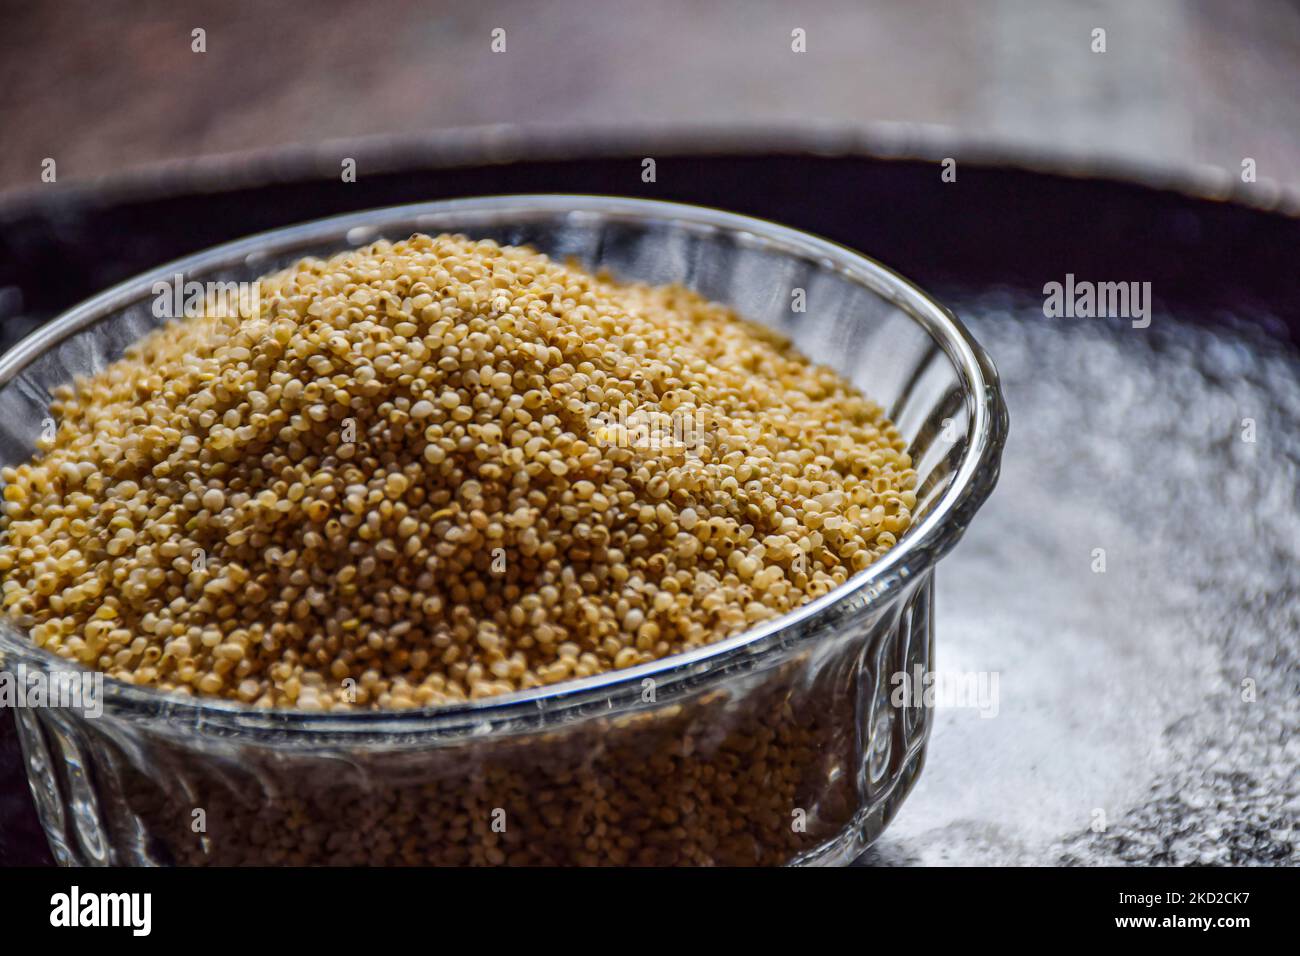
(409,479)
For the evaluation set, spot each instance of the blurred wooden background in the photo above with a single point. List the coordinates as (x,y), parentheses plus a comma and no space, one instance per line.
(104,85)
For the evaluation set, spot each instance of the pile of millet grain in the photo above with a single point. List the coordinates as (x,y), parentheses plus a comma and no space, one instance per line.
(409,479)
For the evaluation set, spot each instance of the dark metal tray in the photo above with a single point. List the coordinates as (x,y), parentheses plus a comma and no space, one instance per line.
(1124,730)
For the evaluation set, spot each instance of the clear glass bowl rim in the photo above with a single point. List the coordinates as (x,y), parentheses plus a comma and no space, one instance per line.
(916,552)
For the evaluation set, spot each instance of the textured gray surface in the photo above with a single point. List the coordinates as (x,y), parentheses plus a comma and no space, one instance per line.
(1122,691)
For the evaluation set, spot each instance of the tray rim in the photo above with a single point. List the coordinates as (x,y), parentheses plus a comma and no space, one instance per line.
(508,143)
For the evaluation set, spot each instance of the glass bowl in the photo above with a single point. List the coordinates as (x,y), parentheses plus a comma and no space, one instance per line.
(778,745)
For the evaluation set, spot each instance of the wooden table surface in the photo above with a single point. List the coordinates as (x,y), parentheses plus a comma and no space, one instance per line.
(107,85)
